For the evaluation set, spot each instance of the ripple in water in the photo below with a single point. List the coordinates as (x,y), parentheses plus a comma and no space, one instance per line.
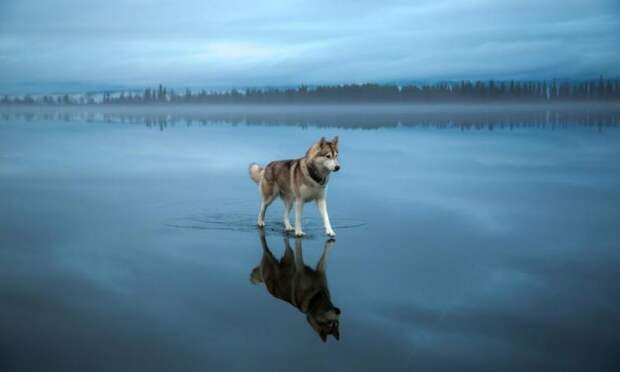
(247,223)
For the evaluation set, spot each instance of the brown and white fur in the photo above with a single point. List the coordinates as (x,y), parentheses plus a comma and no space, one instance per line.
(290,279)
(298,181)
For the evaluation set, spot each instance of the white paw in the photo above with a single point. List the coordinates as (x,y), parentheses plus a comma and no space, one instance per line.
(260,223)
(288,228)
(330,232)
(299,233)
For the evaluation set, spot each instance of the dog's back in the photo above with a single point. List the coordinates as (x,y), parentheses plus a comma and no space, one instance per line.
(277,176)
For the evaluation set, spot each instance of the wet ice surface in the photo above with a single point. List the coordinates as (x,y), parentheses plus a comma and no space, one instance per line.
(247,222)
(127,247)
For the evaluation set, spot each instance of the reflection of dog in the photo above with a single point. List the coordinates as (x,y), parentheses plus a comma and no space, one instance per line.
(298,180)
(290,280)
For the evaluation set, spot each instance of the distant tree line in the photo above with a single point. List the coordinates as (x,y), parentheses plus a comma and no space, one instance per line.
(464,91)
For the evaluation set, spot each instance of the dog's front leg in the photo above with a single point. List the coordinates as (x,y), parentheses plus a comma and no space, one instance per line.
(299,209)
(299,257)
(321,266)
(322,204)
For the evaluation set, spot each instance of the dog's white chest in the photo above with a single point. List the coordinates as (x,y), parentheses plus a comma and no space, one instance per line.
(308,193)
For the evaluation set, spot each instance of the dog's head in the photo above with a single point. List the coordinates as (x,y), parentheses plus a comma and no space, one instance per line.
(326,322)
(324,154)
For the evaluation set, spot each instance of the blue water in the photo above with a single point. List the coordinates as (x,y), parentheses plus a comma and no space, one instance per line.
(129,247)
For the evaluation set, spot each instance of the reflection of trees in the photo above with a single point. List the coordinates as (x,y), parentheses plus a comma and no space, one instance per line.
(364,117)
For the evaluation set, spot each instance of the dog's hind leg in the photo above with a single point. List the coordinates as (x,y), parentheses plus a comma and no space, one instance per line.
(267,196)
(261,213)
(288,204)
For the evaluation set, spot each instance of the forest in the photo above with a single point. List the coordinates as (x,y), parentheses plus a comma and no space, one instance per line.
(458,92)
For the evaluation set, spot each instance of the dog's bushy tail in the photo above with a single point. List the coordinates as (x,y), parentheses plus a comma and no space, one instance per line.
(256,172)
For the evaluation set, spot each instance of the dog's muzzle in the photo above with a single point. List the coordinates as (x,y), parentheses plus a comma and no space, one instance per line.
(336,168)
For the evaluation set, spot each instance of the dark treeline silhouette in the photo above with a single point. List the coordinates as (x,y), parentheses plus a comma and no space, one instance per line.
(464,91)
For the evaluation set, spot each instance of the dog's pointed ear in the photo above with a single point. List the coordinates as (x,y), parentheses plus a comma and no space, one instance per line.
(335,141)
(322,141)
(323,336)
(336,333)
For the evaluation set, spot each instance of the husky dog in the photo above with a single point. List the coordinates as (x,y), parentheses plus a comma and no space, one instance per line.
(290,280)
(298,181)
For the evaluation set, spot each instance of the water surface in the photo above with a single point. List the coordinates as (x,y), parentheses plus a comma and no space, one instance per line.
(127,242)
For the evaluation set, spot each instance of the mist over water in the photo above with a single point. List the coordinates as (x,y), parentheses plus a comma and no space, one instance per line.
(475,237)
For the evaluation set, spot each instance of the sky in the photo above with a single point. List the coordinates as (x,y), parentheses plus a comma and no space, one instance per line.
(65,45)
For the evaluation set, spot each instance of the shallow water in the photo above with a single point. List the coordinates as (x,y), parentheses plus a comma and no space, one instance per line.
(127,247)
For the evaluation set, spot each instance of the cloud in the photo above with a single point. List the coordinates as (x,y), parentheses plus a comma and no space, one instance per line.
(241,43)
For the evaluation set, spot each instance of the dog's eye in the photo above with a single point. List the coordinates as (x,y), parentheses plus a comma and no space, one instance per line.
(329,156)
